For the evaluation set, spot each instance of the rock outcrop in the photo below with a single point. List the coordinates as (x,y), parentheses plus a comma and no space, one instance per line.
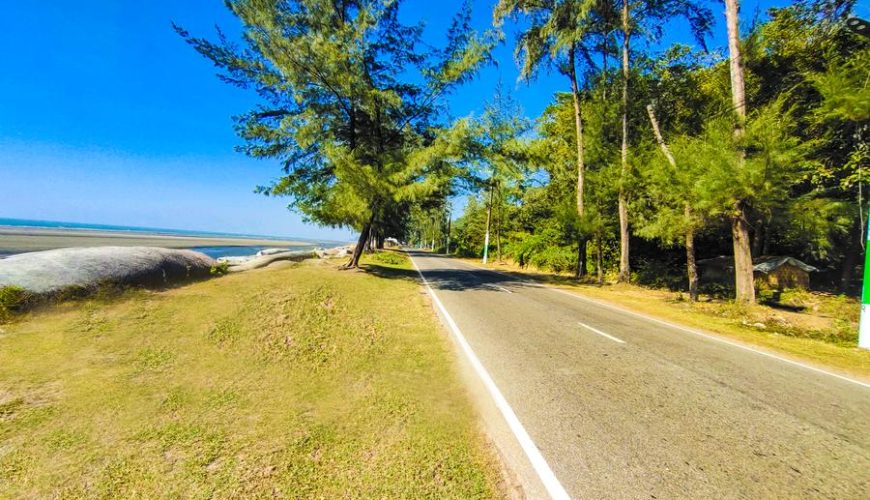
(52,271)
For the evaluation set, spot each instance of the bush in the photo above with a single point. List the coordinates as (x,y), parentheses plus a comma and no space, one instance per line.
(13,299)
(557,259)
(220,269)
(389,258)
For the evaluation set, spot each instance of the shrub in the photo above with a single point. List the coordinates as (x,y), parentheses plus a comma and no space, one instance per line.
(220,269)
(389,258)
(13,299)
(557,259)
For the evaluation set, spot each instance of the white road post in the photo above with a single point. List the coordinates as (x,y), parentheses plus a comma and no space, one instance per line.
(864,325)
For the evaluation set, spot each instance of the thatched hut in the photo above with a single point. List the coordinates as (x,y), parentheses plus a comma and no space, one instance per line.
(778,273)
(773,272)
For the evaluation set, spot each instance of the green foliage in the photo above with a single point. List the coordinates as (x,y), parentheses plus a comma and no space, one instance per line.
(220,268)
(796,171)
(13,299)
(389,258)
(349,103)
(556,259)
(844,89)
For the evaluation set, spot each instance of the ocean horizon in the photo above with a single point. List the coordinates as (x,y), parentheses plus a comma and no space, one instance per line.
(212,251)
(50,224)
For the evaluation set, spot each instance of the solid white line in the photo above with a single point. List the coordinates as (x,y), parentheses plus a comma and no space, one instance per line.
(545,473)
(501,288)
(599,332)
(708,336)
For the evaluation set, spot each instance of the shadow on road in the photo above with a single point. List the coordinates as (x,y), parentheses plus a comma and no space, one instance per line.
(447,278)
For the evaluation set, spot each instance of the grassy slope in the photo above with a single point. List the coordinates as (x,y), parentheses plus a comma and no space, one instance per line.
(815,336)
(301,381)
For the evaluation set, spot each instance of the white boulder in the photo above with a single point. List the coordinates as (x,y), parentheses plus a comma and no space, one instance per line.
(55,270)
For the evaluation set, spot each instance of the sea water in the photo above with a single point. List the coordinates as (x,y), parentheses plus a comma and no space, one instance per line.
(211,251)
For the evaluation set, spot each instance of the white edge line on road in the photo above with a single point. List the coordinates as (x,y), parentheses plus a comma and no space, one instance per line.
(542,468)
(599,332)
(677,327)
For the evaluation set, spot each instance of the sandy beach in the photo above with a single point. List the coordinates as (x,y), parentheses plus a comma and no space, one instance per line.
(18,240)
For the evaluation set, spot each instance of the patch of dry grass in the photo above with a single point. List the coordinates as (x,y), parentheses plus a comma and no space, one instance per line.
(296,381)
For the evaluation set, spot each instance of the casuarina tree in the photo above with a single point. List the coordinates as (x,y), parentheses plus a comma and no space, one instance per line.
(556,31)
(349,101)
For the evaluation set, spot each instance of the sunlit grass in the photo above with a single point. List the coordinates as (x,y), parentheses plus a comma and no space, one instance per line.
(300,381)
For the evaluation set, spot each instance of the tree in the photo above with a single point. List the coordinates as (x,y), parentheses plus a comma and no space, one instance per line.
(500,155)
(349,103)
(762,181)
(678,114)
(557,30)
(688,221)
(634,17)
(744,282)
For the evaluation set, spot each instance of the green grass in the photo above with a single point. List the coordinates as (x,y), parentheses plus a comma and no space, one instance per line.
(297,381)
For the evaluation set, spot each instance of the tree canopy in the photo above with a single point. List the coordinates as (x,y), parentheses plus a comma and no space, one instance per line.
(349,103)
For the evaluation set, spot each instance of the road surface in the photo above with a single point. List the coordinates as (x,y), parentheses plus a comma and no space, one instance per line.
(619,406)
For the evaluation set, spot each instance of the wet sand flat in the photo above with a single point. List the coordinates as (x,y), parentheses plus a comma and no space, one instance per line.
(18,240)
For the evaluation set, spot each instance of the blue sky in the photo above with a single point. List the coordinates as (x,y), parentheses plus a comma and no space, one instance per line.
(106,116)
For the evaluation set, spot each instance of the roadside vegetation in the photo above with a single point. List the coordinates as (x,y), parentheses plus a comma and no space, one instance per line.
(659,156)
(291,381)
(13,300)
(656,155)
(818,327)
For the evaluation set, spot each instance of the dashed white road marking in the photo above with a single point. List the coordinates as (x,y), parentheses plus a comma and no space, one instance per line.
(692,331)
(542,468)
(599,332)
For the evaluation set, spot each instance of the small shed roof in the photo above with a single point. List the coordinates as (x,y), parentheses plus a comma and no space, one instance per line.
(764,264)
(768,264)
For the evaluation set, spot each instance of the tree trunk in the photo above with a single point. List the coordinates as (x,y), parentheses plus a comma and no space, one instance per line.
(578,129)
(581,166)
(604,67)
(447,250)
(851,256)
(744,283)
(488,222)
(624,270)
(738,96)
(743,279)
(360,245)
(599,260)
(758,238)
(581,257)
(691,267)
(498,230)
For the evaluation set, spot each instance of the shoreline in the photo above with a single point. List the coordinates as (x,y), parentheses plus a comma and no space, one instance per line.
(20,240)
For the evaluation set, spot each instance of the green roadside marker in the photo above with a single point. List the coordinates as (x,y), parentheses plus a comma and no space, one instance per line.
(864,325)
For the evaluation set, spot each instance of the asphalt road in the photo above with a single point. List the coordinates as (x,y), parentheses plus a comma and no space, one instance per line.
(623,407)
